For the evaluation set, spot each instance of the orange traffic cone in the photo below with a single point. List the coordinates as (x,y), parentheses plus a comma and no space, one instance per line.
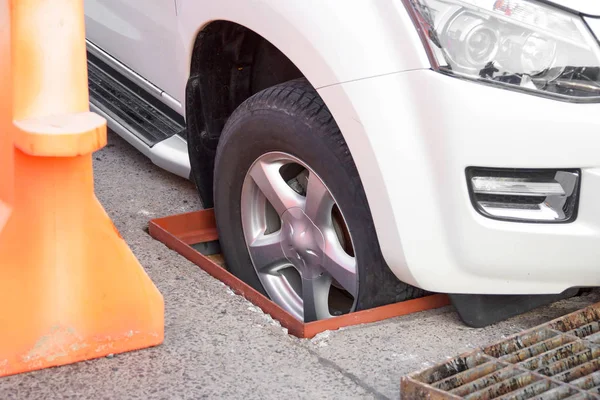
(70,288)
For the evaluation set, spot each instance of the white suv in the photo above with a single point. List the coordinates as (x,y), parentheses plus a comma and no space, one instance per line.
(363,152)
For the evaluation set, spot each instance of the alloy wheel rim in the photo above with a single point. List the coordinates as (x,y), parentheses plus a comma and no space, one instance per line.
(293,237)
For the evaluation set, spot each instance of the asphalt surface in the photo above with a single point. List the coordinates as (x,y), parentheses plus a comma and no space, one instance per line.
(219,346)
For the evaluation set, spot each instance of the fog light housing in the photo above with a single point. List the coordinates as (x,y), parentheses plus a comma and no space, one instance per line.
(525,195)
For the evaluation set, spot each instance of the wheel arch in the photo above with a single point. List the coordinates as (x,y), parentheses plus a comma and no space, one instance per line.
(229,64)
(320,41)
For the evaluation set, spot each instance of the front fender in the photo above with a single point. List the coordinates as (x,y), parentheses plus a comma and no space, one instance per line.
(330,41)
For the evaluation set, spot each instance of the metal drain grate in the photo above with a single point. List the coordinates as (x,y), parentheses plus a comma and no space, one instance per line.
(556,361)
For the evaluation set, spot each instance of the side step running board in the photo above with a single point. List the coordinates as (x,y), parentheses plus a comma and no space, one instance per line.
(144,122)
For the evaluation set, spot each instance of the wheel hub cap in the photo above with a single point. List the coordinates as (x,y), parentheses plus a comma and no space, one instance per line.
(302,243)
(290,231)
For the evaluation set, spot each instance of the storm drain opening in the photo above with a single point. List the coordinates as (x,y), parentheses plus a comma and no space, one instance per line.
(555,361)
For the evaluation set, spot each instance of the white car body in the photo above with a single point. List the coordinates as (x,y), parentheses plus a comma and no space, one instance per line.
(412,132)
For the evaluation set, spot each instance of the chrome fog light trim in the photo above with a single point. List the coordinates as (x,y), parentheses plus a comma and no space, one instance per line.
(515,186)
(525,195)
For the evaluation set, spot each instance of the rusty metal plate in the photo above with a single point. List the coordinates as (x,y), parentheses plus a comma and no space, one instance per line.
(186,233)
(556,361)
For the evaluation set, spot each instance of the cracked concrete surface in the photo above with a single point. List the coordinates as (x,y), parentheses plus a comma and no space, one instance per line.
(218,345)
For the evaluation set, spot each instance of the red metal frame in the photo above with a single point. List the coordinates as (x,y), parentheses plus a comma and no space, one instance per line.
(179,232)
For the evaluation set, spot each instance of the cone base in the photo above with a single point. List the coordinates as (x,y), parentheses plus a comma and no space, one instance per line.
(70,287)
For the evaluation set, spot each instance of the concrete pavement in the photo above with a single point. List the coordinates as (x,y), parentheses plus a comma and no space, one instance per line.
(219,346)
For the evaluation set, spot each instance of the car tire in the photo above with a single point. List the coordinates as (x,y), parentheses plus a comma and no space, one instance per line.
(292,119)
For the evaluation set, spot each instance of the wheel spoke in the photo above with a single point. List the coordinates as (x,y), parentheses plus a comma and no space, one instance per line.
(276,190)
(319,202)
(266,252)
(340,265)
(315,298)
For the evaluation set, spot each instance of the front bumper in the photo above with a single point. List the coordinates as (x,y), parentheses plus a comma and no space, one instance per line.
(412,136)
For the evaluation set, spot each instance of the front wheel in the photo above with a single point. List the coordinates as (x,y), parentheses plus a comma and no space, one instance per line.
(291,211)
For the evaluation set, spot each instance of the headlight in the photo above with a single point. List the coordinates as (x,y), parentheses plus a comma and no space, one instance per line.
(518,44)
